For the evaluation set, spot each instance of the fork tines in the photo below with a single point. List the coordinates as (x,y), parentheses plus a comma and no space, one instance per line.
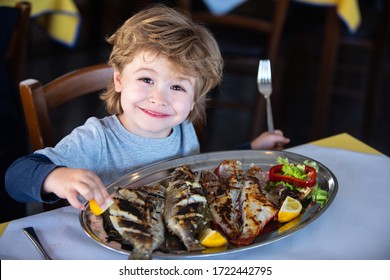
(264,75)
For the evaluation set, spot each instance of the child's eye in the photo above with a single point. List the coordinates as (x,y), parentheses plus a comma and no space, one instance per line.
(176,87)
(147,80)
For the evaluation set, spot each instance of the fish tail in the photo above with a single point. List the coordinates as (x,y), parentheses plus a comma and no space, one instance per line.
(194,246)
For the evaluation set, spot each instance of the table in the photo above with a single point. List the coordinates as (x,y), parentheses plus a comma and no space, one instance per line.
(59,18)
(353,227)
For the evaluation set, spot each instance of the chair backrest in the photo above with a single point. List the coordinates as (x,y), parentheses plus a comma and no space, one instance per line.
(15,53)
(39,100)
(271,26)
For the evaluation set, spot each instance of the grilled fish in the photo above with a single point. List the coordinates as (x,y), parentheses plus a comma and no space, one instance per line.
(186,208)
(256,210)
(137,216)
(236,200)
(223,199)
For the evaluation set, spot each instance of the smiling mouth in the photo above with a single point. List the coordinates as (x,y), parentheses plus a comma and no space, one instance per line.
(155,114)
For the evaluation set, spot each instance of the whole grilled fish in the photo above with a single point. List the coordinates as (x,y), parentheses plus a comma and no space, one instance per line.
(186,208)
(137,216)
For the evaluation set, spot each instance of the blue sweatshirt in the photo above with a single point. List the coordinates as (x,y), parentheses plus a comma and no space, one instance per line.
(101,145)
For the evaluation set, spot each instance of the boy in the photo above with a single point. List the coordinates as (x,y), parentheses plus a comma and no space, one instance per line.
(164,65)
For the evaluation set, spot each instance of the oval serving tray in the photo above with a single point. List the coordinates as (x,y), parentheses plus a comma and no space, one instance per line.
(93,226)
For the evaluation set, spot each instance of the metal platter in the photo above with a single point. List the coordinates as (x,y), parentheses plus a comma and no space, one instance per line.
(93,226)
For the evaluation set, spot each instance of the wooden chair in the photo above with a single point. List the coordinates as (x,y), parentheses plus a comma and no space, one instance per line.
(39,100)
(261,40)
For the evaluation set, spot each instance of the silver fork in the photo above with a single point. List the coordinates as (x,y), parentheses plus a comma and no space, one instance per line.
(264,84)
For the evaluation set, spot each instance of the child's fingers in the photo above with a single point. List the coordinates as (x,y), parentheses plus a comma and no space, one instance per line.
(76,200)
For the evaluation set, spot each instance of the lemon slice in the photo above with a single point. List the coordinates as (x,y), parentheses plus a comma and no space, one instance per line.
(290,209)
(291,224)
(212,238)
(95,208)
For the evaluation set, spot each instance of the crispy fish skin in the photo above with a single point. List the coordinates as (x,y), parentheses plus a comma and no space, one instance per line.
(256,211)
(185,213)
(223,201)
(137,216)
(242,210)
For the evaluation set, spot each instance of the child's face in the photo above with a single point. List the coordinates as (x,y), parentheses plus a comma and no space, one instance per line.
(154,96)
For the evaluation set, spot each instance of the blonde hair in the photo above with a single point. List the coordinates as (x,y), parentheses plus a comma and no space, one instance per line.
(190,47)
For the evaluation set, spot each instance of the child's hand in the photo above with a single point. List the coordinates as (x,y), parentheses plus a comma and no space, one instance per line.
(68,183)
(269,140)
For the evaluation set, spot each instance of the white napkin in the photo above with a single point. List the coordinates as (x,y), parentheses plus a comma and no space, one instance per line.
(355,226)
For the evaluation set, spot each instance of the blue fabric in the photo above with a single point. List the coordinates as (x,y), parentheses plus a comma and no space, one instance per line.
(244,146)
(24,178)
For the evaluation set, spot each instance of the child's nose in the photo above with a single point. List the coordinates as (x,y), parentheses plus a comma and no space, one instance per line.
(159,97)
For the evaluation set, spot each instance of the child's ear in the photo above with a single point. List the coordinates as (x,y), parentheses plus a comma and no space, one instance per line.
(117,81)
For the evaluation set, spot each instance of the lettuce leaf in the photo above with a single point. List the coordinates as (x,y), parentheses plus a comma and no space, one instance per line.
(290,169)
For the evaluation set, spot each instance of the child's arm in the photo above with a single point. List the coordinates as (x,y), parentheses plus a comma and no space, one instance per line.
(268,140)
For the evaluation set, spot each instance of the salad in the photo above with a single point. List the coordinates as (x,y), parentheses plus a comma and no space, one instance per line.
(298,181)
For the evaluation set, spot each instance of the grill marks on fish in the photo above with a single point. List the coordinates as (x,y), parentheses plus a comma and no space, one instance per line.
(127,209)
(231,199)
(256,211)
(137,216)
(186,212)
(223,201)
(237,203)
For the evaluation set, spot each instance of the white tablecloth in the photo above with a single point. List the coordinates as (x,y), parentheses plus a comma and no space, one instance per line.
(355,226)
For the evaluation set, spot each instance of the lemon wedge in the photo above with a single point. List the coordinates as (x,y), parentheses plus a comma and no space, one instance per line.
(95,208)
(211,238)
(291,224)
(290,209)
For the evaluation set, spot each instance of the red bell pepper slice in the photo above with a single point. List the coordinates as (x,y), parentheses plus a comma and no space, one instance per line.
(276,175)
